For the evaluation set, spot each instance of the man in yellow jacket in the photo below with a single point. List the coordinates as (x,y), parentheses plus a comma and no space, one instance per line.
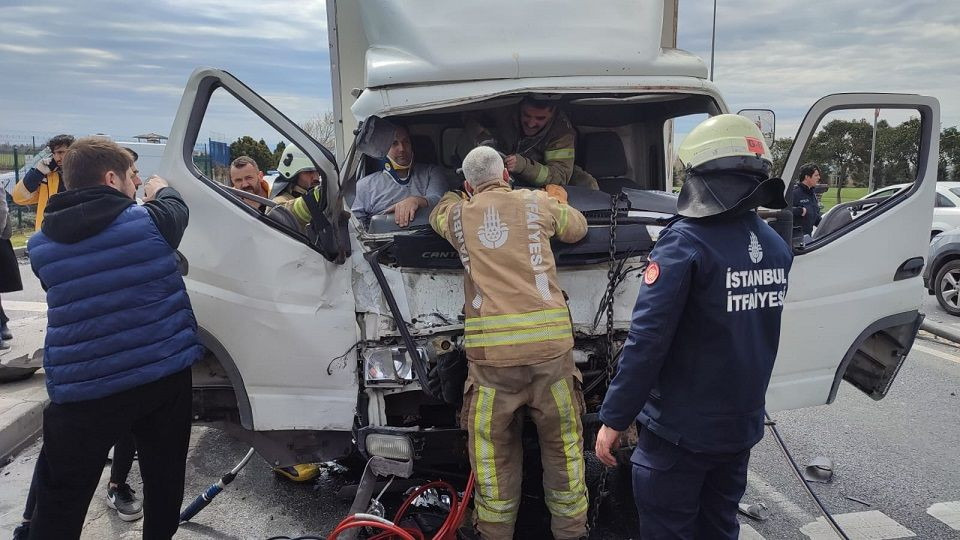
(518,339)
(43,181)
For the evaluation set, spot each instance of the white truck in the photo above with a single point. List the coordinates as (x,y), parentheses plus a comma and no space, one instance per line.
(310,342)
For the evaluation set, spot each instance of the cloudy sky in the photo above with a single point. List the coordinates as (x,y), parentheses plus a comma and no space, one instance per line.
(119,67)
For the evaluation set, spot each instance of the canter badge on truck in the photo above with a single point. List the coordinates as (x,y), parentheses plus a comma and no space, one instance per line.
(651,274)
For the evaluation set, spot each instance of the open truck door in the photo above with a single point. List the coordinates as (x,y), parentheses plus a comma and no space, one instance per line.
(274,304)
(855,287)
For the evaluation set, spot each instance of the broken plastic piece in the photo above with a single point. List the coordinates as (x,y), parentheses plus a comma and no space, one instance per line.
(757,511)
(820,469)
(855,499)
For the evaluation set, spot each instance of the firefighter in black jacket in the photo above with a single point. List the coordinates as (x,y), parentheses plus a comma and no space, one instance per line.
(703,339)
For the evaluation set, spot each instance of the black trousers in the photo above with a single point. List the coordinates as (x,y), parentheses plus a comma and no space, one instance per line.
(123,453)
(687,495)
(77,437)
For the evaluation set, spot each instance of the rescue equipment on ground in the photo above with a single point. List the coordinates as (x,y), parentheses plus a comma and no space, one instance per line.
(204,498)
(392,530)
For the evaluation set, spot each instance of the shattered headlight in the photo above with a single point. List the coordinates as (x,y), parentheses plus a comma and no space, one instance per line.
(389,365)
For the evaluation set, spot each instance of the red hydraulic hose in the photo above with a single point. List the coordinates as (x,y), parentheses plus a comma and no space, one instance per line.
(351,523)
(392,531)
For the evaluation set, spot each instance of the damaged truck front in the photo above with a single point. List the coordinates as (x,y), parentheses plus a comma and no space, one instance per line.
(332,359)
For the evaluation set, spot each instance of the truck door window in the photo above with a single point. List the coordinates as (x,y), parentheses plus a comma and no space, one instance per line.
(256,162)
(867,161)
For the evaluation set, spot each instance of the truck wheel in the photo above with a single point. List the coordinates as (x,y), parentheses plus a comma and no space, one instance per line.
(946,287)
(11,374)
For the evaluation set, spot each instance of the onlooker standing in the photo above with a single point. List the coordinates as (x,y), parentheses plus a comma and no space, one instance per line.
(806,207)
(102,257)
(43,181)
(9,268)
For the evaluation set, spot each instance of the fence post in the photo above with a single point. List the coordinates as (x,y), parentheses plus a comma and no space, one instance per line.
(16,179)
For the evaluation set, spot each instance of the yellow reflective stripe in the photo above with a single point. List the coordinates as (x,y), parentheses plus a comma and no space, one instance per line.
(559,153)
(440,224)
(542,175)
(570,435)
(522,320)
(496,511)
(483,443)
(519,337)
(568,509)
(299,209)
(562,221)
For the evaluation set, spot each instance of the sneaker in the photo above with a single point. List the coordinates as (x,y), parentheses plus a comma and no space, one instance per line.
(22,532)
(122,499)
(5,333)
(4,345)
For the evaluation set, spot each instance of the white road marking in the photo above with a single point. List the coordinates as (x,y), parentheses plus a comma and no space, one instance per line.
(18,305)
(770,494)
(749,533)
(938,354)
(871,525)
(947,512)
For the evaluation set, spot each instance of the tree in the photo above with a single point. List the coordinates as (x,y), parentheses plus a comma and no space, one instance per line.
(321,128)
(950,154)
(257,150)
(779,150)
(277,152)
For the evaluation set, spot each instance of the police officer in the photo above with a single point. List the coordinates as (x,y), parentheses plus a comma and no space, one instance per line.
(806,207)
(701,347)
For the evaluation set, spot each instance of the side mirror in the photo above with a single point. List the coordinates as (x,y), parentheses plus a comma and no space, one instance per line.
(765,119)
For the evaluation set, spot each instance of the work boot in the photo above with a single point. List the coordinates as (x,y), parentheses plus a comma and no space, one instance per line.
(5,333)
(122,499)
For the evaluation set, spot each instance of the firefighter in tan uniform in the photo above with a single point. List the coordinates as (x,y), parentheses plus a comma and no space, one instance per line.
(519,341)
(296,174)
(537,139)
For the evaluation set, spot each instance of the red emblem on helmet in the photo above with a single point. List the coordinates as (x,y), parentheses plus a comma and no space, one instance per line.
(754,145)
(651,274)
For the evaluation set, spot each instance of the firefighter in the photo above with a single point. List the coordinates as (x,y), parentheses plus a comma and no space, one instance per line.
(518,339)
(537,140)
(296,175)
(703,339)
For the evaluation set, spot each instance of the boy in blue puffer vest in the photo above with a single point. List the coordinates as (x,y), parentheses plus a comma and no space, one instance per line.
(121,337)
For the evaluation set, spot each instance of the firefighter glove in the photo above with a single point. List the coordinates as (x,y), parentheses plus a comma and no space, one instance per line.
(557,192)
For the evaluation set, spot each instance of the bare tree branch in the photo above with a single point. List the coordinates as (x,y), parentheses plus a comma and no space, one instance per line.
(320,127)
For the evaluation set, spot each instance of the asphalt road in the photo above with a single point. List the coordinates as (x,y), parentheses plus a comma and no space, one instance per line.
(895,464)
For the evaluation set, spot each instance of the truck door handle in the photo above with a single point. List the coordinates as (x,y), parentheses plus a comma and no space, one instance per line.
(910,268)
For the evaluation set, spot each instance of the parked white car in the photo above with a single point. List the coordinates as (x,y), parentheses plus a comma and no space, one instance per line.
(946,208)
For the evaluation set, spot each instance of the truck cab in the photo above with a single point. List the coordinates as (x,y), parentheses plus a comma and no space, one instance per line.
(319,344)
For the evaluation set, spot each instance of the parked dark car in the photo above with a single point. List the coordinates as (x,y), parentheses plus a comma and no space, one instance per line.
(942,273)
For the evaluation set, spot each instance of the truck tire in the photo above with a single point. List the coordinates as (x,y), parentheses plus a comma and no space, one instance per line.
(946,287)
(11,374)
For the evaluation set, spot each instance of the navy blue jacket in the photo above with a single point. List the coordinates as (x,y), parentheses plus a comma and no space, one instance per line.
(805,198)
(118,315)
(704,336)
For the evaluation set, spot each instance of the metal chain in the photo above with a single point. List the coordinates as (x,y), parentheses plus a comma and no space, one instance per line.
(602,491)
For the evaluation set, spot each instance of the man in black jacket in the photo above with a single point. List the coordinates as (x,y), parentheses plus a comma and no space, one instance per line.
(806,207)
